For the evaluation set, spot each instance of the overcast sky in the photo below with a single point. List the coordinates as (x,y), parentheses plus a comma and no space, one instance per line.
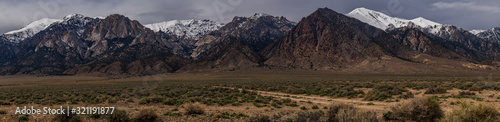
(468,14)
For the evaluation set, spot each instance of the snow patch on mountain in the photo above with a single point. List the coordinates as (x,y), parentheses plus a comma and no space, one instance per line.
(422,22)
(492,35)
(476,31)
(187,29)
(259,15)
(260,21)
(384,22)
(77,22)
(16,36)
(440,30)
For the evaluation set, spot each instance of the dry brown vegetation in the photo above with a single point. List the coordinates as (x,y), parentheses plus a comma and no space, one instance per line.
(233,96)
(467,112)
(339,112)
(194,108)
(420,109)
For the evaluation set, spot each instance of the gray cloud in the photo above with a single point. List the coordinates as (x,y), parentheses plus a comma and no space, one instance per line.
(467,5)
(477,14)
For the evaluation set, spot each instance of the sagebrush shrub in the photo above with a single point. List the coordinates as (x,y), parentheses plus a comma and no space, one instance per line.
(420,109)
(466,112)
(146,115)
(383,92)
(194,108)
(338,112)
(436,90)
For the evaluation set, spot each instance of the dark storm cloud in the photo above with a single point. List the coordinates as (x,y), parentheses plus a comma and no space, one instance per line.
(469,14)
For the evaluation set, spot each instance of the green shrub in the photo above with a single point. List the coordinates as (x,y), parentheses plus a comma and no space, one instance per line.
(466,93)
(157,99)
(303,108)
(239,115)
(259,118)
(144,101)
(383,92)
(194,108)
(173,102)
(3,112)
(315,107)
(175,109)
(6,103)
(146,115)
(420,109)
(287,100)
(473,113)
(387,115)
(453,103)
(172,114)
(24,117)
(338,112)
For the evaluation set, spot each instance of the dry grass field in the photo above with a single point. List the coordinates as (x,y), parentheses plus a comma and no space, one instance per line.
(251,96)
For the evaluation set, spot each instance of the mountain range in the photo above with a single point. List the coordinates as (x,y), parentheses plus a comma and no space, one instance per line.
(362,40)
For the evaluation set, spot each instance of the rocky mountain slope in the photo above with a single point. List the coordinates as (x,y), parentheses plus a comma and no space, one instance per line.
(186,29)
(492,35)
(326,40)
(258,31)
(238,43)
(458,39)
(7,50)
(82,42)
(464,42)
(183,34)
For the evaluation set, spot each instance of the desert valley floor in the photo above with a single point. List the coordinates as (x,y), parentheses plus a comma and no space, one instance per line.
(239,95)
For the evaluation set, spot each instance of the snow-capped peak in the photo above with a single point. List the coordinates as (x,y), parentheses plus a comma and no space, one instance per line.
(16,36)
(36,26)
(29,30)
(188,29)
(383,21)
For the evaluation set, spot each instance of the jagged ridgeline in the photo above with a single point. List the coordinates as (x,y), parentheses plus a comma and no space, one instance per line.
(360,41)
